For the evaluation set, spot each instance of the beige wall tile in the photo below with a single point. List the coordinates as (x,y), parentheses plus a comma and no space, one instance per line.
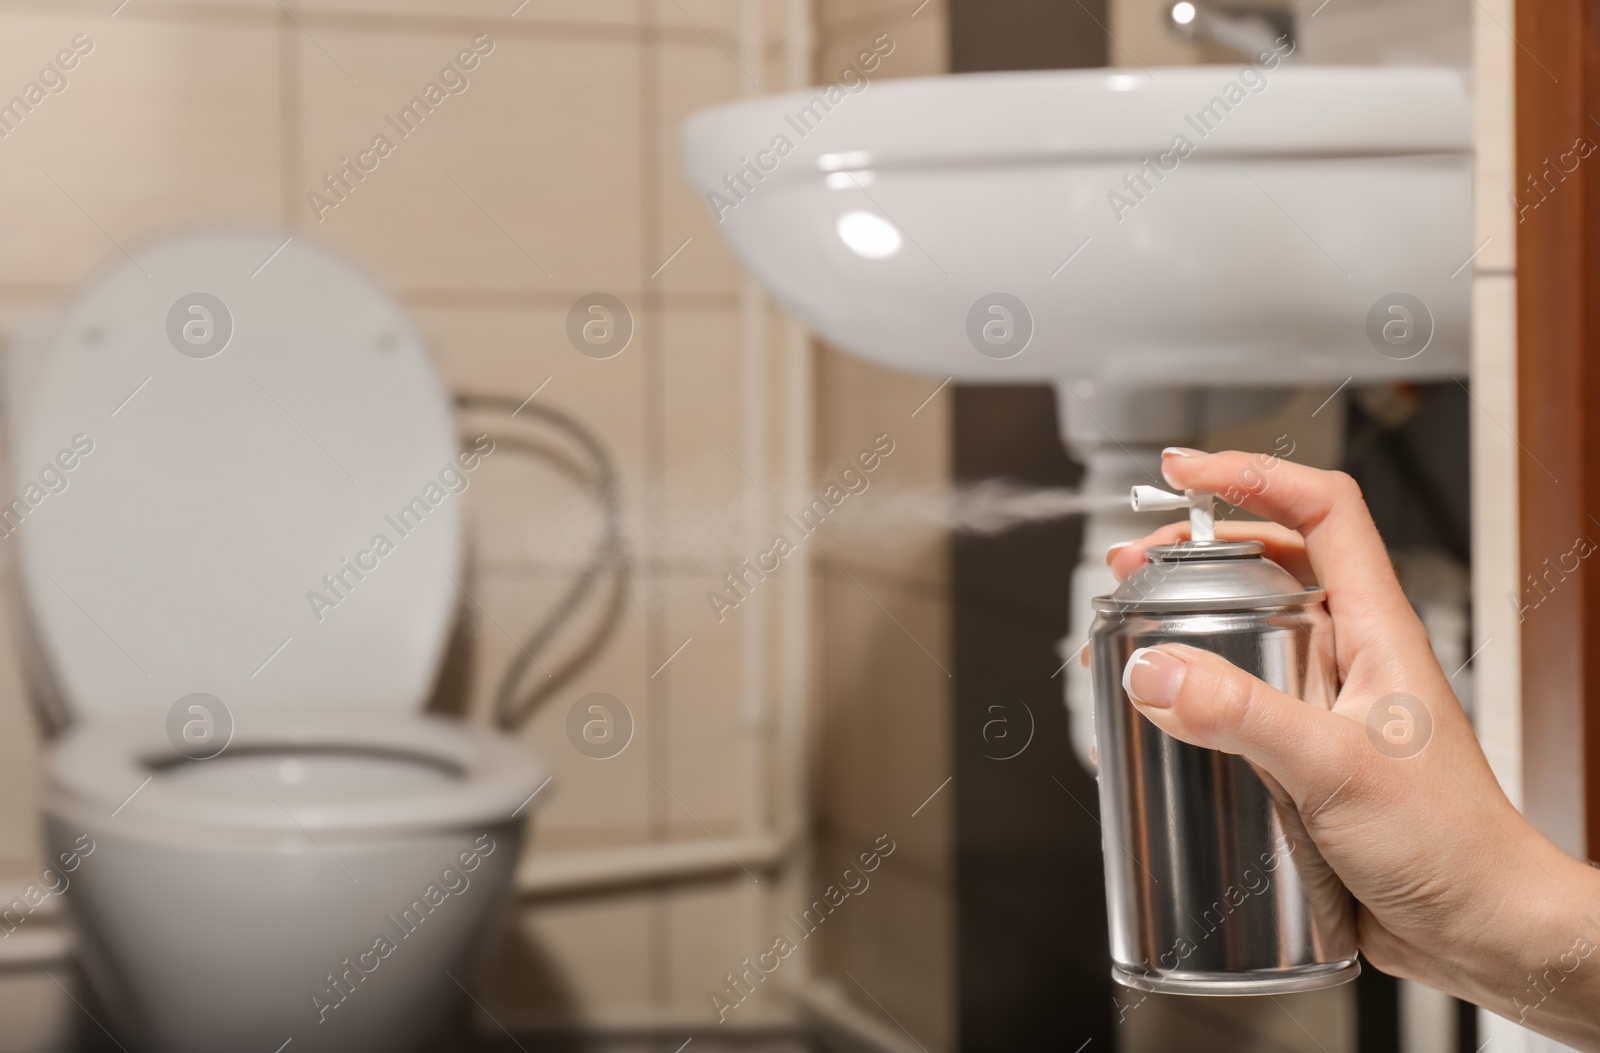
(511,352)
(836,14)
(592,802)
(1495,177)
(567,961)
(1386,32)
(543,13)
(1140,36)
(705,460)
(507,185)
(705,728)
(718,16)
(1497,461)
(708,938)
(883,690)
(919,43)
(861,402)
(886,705)
(39,1016)
(164,125)
(692,79)
(724,21)
(896,938)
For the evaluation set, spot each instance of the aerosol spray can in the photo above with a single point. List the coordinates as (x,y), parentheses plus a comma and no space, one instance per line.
(1212,884)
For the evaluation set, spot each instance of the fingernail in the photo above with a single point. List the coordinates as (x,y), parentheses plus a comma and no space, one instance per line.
(1152,678)
(1181,451)
(1111,553)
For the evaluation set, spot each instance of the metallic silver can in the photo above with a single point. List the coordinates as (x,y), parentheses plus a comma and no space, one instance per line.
(1213,885)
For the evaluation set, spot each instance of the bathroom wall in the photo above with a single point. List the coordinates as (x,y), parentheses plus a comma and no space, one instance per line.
(552,175)
(1337,32)
(887,973)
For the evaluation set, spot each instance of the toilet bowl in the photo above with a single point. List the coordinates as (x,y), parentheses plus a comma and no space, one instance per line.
(235,505)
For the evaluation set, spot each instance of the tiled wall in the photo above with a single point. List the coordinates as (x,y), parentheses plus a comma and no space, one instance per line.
(553,174)
(885,697)
(1349,32)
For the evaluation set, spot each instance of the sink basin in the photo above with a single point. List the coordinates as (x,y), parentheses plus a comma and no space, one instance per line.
(1008,227)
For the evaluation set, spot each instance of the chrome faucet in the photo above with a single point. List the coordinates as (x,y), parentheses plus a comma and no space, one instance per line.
(1248,29)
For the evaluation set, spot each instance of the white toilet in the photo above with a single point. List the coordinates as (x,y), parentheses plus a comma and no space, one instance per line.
(211,436)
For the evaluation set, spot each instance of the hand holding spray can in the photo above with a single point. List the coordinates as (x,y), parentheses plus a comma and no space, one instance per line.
(1212,883)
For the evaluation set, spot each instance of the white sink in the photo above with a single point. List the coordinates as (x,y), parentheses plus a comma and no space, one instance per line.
(1255,261)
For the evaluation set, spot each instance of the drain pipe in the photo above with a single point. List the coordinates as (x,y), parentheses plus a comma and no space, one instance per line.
(1117,434)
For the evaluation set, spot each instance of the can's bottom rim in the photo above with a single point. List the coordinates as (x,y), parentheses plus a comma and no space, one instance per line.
(1259,982)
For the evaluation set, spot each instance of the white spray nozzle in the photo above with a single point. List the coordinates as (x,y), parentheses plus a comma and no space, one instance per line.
(1155,499)
(1202,516)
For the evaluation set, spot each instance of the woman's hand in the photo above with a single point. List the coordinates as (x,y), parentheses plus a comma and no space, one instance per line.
(1456,888)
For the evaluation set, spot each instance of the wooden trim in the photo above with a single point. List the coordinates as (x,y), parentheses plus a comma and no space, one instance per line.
(1558,412)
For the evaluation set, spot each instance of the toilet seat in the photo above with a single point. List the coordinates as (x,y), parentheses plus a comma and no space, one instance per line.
(285,449)
(128,767)
(178,514)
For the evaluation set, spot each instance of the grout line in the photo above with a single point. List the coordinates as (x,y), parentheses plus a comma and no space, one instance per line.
(317,42)
(96,222)
(266,16)
(702,826)
(652,595)
(674,256)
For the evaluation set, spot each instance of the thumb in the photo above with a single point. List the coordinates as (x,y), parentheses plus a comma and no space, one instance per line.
(1205,700)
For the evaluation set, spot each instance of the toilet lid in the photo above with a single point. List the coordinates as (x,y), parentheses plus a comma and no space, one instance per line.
(234,471)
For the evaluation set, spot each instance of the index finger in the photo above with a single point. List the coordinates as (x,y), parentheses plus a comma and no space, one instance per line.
(1326,508)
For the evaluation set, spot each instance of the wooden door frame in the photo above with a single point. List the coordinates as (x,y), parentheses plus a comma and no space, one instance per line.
(1556,191)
